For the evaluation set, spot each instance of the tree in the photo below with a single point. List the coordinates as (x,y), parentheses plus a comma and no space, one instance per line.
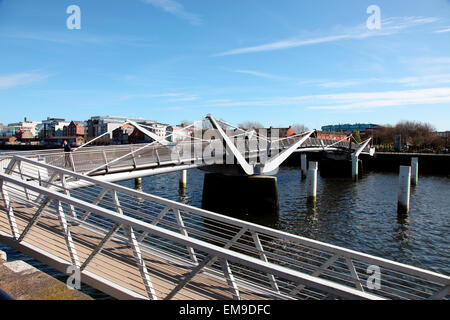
(418,134)
(356,136)
(299,128)
(250,125)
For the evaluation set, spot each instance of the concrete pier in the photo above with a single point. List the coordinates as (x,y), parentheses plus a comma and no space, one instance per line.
(354,168)
(414,171)
(304,164)
(404,186)
(312,182)
(238,195)
(183,179)
(21,281)
(137,183)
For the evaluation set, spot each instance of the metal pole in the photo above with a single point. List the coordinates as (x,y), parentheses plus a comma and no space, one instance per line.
(404,184)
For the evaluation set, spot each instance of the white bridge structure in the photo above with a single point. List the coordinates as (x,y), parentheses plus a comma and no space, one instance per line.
(134,245)
(207,143)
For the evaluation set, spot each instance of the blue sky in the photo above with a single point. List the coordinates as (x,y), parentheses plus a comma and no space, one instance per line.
(276,62)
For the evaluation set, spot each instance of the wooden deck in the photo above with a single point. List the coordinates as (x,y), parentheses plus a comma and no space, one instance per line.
(116,261)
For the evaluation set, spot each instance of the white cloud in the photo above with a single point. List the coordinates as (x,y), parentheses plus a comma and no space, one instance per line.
(412,81)
(353,101)
(20,79)
(176,9)
(260,74)
(371,100)
(389,26)
(442,30)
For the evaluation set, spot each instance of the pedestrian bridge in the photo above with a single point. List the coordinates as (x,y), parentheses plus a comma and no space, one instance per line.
(134,245)
(208,142)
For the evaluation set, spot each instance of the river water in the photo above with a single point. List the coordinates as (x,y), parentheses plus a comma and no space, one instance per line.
(361,216)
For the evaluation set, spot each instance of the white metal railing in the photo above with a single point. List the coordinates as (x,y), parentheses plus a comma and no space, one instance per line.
(119,158)
(280,255)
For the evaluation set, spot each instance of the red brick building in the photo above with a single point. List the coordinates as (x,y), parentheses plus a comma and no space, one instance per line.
(74,129)
(331,135)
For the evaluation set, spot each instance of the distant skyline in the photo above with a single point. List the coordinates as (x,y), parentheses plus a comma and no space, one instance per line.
(275,62)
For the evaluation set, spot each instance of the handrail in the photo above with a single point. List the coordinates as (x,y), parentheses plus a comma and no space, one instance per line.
(370,259)
(210,249)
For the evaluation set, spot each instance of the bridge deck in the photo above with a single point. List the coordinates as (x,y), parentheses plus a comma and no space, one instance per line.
(153,157)
(116,262)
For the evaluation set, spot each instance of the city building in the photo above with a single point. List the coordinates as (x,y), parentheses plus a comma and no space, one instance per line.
(331,135)
(74,129)
(121,135)
(178,133)
(99,125)
(19,127)
(349,128)
(53,127)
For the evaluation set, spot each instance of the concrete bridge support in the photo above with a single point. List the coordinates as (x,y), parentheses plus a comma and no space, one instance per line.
(354,167)
(138,183)
(240,195)
(414,171)
(183,179)
(404,185)
(312,182)
(304,164)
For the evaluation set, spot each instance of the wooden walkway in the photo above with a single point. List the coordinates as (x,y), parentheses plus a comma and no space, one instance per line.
(116,262)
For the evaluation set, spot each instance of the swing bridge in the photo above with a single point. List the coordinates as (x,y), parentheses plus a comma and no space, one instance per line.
(63,210)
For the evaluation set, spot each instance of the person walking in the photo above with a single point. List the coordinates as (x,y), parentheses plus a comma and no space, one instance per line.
(67,150)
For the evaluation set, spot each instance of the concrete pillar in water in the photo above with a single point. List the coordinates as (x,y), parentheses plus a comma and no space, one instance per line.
(404,185)
(414,171)
(312,181)
(241,195)
(183,179)
(354,167)
(303,164)
(137,182)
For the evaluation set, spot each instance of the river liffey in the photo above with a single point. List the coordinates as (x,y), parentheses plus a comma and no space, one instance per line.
(356,215)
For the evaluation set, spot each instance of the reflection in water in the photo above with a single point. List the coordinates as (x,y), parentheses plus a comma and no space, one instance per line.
(360,216)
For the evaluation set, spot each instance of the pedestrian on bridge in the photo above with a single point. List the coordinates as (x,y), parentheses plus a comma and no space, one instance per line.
(67,156)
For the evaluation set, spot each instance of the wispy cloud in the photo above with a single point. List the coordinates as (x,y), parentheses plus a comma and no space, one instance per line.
(372,100)
(170,96)
(442,30)
(409,81)
(261,74)
(74,38)
(176,9)
(353,101)
(21,79)
(389,26)
(412,81)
